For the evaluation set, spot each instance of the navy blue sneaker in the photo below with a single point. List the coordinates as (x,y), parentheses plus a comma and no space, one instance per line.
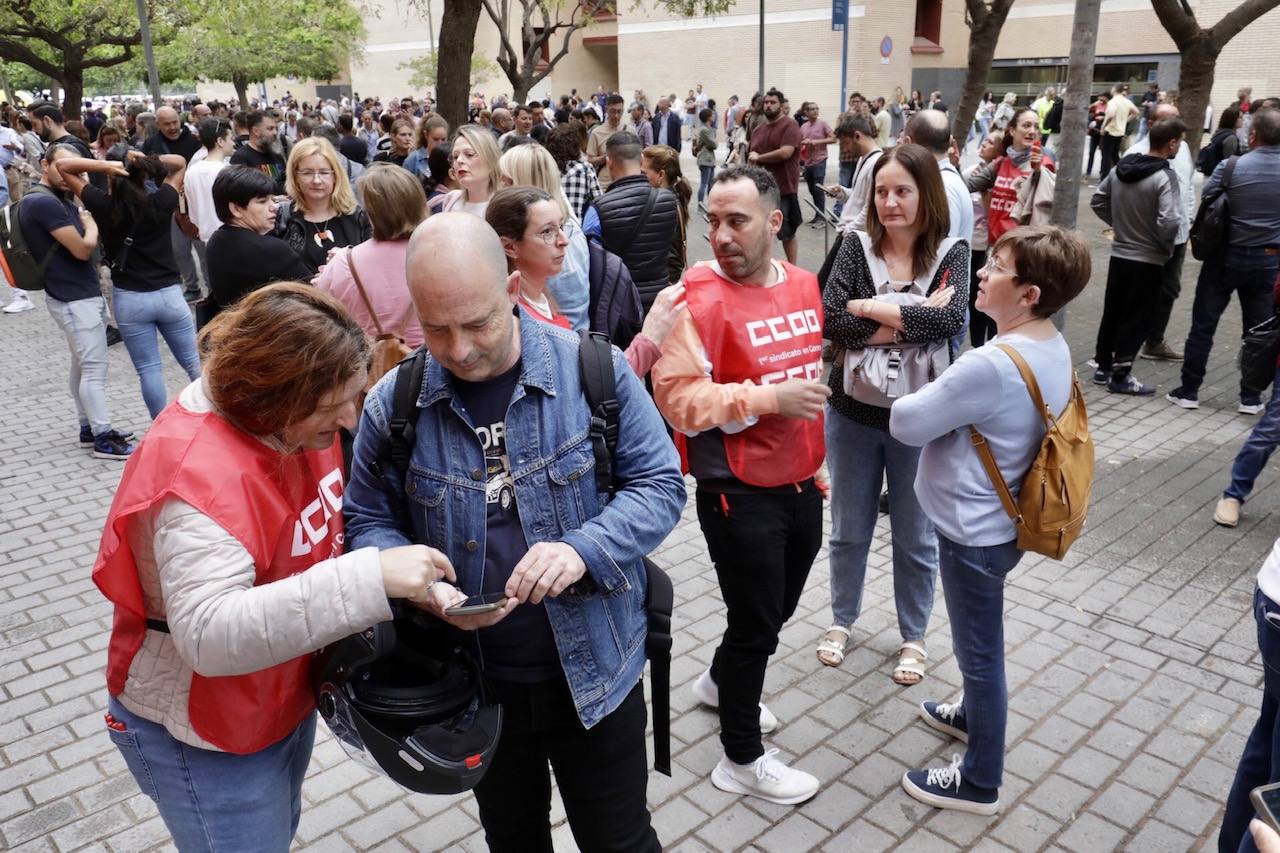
(943,788)
(1101,377)
(948,719)
(1130,385)
(112,445)
(1183,399)
(86,435)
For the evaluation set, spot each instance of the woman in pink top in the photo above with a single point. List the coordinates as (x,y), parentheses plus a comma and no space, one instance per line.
(395,204)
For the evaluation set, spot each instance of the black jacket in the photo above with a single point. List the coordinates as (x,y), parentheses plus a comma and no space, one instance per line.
(347,230)
(187,144)
(1053,118)
(241,261)
(674,126)
(643,244)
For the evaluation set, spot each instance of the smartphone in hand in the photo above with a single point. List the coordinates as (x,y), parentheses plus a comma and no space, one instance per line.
(1266,802)
(476,604)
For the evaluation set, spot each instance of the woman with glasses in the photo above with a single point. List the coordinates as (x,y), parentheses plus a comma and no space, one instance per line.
(474,158)
(530,224)
(322,214)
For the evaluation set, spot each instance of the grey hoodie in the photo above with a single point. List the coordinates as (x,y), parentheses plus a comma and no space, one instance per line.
(1140,199)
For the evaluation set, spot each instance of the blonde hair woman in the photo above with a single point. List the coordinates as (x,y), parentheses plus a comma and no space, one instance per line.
(322,213)
(533,166)
(475,167)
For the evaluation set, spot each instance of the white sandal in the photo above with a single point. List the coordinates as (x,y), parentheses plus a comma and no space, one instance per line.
(911,660)
(833,646)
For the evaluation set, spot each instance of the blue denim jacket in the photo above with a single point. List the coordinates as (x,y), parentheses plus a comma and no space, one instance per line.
(599,623)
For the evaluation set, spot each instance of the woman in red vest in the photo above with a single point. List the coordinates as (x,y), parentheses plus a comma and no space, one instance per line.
(531,226)
(223,556)
(1008,176)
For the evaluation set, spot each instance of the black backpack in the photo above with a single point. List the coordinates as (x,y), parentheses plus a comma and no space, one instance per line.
(1211,155)
(595,361)
(614,308)
(1211,230)
(27,272)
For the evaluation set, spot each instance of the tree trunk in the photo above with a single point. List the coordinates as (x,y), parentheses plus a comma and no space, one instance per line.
(72,92)
(241,82)
(1195,82)
(453,59)
(521,85)
(985,23)
(1075,113)
(4,85)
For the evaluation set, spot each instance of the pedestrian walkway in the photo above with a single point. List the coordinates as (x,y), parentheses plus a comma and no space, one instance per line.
(1133,667)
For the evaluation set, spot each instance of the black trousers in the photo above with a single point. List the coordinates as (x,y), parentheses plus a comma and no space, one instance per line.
(1110,152)
(1132,290)
(1093,151)
(602,773)
(763,546)
(1170,288)
(981,327)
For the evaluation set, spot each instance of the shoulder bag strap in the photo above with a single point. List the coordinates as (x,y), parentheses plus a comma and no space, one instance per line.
(644,217)
(355,276)
(599,384)
(1029,377)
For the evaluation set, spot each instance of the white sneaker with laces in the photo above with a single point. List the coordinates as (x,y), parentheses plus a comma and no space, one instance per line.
(21,302)
(708,693)
(766,778)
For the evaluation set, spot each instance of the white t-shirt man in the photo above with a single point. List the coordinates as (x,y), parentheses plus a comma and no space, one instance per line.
(198,188)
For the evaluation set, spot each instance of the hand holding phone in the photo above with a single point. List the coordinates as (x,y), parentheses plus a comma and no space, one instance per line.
(474,605)
(1266,802)
(1037,154)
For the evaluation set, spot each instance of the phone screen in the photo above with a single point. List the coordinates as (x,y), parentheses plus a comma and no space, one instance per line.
(483,603)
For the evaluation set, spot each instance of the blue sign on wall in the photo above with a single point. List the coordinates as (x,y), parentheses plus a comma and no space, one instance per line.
(839,14)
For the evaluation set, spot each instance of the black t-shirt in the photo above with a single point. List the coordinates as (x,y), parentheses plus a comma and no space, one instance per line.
(390,157)
(354,149)
(148,264)
(187,144)
(521,647)
(77,143)
(67,278)
(270,163)
(241,261)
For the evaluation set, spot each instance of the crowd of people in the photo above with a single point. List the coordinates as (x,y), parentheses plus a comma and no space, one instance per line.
(308,237)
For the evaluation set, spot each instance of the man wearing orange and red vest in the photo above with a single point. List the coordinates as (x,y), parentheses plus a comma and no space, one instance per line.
(739,382)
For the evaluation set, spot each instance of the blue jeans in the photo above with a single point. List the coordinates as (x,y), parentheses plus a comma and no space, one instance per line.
(139,315)
(1257,448)
(1250,274)
(706,174)
(859,458)
(973,586)
(846,180)
(1260,763)
(84,322)
(218,801)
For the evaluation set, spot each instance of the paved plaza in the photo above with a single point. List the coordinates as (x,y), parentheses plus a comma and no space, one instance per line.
(1133,668)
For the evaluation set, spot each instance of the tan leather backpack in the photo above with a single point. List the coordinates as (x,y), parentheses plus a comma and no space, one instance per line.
(1051,507)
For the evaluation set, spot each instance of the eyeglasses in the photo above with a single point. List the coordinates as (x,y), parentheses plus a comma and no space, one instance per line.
(992,265)
(313,174)
(550,234)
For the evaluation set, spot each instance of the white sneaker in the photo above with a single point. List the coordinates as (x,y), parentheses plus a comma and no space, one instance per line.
(1251,408)
(766,778)
(21,302)
(707,692)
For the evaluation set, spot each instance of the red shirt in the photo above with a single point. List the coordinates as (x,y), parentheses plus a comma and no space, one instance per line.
(773,135)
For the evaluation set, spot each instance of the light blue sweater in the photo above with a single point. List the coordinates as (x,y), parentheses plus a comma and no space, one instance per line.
(982,388)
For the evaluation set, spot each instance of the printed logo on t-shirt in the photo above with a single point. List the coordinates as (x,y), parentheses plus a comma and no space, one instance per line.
(501,488)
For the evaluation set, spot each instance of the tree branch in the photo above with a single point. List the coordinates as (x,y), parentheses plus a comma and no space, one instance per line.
(977,13)
(506,53)
(1239,18)
(1182,27)
(15,51)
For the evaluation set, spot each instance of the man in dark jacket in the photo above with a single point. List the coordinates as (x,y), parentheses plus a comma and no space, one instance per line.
(666,125)
(636,221)
(1141,200)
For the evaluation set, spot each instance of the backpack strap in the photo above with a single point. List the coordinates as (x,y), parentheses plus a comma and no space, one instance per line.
(1029,377)
(599,384)
(595,357)
(396,444)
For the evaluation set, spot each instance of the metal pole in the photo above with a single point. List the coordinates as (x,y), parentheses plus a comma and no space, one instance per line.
(761,89)
(152,76)
(844,61)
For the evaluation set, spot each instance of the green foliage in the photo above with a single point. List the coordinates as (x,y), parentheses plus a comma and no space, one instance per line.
(54,37)
(424,70)
(251,41)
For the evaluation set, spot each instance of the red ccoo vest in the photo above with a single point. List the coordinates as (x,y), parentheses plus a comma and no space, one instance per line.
(763,335)
(285,509)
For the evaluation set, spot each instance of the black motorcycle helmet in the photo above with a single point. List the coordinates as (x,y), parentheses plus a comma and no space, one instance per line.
(404,698)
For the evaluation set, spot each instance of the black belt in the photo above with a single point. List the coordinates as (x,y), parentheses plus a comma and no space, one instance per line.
(158,625)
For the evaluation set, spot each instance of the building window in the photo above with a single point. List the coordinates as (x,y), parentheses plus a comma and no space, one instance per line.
(928,27)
